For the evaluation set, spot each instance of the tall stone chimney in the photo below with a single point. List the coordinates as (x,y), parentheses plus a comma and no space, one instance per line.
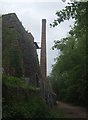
(43,50)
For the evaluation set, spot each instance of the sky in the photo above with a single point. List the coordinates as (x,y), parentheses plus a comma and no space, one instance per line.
(31,15)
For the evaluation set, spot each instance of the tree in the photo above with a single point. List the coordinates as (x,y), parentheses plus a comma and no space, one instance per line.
(69,71)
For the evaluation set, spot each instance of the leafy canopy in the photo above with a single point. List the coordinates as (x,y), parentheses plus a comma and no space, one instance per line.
(69,72)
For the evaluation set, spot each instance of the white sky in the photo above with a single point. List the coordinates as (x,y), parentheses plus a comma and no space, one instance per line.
(31,15)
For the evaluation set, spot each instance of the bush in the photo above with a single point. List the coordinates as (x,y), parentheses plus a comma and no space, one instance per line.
(35,108)
(25,106)
(16,82)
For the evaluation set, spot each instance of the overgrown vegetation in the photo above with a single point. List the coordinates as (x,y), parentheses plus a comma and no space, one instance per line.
(12,81)
(21,101)
(25,106)
(35,108)
(69,72)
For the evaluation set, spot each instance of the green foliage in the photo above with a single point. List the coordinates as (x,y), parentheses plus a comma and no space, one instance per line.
(75,10)
(35,108)
(21,101)
(56,112)
(11,81)
(21,104)
(69,72)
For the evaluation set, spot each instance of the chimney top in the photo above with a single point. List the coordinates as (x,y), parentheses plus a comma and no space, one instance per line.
(43,20)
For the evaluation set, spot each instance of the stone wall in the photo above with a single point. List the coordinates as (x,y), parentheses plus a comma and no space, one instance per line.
(18,50)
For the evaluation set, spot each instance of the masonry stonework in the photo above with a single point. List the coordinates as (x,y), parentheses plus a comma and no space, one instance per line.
(43,50)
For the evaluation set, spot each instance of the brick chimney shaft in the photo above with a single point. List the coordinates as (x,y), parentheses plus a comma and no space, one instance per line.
(43,50)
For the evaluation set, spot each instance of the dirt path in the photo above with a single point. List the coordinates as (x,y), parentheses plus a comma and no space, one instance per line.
(72,111)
